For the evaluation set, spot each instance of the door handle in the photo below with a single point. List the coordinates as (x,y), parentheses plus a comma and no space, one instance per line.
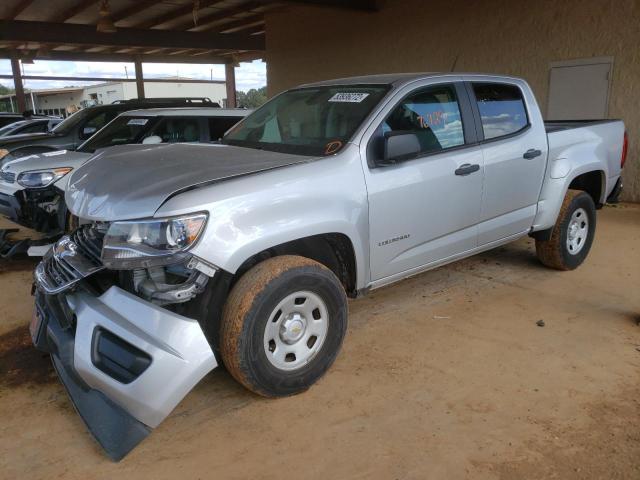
(531,153)
(467,168)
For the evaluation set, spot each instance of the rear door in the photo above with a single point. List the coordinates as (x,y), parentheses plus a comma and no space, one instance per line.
(514,143)
(424,209)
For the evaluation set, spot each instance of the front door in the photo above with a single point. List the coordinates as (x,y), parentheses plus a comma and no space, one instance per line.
(425,208)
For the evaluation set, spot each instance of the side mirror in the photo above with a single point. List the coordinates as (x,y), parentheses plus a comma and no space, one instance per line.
(88,131)
(400,145)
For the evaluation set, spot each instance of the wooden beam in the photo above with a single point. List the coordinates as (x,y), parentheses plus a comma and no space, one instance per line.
(17,84)
(240,24)
(73,34)
(108,79)
(175,13)
(207,20)
(72,11)
(230,79)
(109,57)
(362,5)
(18,9)
(139,79)
(256,30)
(137,7)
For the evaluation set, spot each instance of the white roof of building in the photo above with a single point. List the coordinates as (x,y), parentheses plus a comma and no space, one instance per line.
(189,112)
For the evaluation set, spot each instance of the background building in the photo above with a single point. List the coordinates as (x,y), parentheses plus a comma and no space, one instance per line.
(64,101)
(581,57)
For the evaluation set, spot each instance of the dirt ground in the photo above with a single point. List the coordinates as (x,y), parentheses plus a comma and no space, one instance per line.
(442,376)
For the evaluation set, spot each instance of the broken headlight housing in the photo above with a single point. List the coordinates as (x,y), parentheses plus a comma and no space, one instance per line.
(150,243)
(42,178)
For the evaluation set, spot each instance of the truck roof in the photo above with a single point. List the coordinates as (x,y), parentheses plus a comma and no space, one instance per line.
(397,79)
(189,112)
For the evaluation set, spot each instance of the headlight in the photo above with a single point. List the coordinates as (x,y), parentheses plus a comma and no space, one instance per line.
(42,178)
(3,153)
(148,243)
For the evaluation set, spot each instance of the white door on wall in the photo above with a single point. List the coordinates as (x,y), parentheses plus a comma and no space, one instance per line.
(579,89)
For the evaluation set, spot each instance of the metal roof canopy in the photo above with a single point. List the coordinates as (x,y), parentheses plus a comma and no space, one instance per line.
(137,31)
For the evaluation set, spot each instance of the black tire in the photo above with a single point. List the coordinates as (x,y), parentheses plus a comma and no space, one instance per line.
(251,305)
(555,252)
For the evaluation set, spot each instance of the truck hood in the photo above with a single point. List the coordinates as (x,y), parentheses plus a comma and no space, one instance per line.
(53,159)
(132,181)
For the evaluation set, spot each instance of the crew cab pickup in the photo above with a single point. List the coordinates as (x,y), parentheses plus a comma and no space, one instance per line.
(244,253)
(32,187)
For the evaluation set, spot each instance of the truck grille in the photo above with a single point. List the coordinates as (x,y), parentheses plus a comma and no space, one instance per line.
(8,177)
(72,258)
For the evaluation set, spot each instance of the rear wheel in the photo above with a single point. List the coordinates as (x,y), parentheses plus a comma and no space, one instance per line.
(283,325)
(572,235)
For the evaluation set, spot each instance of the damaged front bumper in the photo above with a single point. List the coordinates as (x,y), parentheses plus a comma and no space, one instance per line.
(125,362)
(40,209)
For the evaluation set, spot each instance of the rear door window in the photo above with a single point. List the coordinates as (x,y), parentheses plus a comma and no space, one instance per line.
(177,130)
(502,109)
(219,125)
(40,127)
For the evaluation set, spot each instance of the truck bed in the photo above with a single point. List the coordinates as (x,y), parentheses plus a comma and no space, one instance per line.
(593,140)
(558,125)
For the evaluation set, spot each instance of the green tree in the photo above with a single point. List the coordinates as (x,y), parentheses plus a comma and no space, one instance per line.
(4,103)
(253,98)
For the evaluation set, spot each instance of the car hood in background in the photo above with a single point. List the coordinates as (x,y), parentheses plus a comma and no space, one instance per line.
(7,142)
(133,181)
(46,160)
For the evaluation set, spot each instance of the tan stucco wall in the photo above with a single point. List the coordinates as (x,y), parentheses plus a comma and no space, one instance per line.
(515,37)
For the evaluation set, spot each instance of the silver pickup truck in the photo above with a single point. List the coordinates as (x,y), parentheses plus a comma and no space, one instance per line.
(244,253)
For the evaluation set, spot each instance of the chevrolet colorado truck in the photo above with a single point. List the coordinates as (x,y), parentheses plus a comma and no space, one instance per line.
(244,253)
(32,187)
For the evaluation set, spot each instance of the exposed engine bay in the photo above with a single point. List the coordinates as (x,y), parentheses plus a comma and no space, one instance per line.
(42,210)
(166,285)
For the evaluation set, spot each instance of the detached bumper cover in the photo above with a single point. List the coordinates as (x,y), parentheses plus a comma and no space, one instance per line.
(127,364)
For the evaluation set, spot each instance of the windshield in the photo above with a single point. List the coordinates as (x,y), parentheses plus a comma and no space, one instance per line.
(308,121)
(70,122)
(122,130)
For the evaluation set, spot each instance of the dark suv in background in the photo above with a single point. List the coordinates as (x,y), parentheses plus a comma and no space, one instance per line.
(77,128)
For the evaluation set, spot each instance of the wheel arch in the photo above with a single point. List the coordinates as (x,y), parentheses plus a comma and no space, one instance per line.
(334,250)
(593,182)
(590,178)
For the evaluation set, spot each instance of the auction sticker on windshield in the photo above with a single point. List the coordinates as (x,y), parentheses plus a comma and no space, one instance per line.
(349,97)
(138,121)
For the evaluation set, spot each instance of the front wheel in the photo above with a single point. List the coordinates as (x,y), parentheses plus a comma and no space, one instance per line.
(572,235)
(283,325)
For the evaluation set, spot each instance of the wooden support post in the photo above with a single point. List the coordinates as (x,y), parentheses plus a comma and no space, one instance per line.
(230,81)
(17,82)
(139,79)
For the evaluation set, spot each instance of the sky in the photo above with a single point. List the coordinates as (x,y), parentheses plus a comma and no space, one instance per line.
(248,75)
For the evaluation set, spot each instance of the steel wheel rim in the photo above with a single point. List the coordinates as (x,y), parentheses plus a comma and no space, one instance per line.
(577,231)
(296,330)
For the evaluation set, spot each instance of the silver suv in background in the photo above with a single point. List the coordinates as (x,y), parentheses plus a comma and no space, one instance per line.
(32,187)
(77,128)
(244,253)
